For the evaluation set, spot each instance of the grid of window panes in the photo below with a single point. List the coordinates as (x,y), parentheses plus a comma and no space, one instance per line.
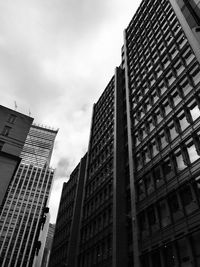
(96,230)
(64,220)
(38,146)
(20,215)
(164,82)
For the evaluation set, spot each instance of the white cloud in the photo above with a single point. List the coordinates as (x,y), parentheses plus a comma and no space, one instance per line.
(56,58)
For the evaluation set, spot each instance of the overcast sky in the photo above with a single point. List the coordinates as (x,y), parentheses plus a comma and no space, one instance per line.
(56,58)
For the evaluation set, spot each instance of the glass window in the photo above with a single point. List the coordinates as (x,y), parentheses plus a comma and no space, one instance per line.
(12,118)
(173,51)
(6,130)
(174,204)
(149,184)
(158,116)
(183,121)
(140,190)
(179,161)
(146,156)
(194,110)
(137,142)
(151,216)
(163,140)
(188,199)
(167,107)
(188,55)
(181,41)
(178,67)
(165,62)
(158,178)
(167,167)
(138,162)
(195,74)
(154,149)
(158,71)
(192,152)
(176,98)
(197,186)
(170,78)
(185,85)
(173,132)
(142,222)
(164,213)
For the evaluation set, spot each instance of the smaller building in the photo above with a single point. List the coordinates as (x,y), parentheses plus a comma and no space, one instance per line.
(64,248)
(48,245)
(14,128)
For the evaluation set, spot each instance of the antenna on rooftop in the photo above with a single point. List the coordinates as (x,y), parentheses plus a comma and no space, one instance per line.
(15,105)
(29,113)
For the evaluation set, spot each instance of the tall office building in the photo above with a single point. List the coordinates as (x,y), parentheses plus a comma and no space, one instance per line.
(27,196)
(163,100)
(141,195)
(64,247)
(48,245)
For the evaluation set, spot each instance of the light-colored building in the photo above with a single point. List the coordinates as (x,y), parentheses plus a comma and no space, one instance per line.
(27,196)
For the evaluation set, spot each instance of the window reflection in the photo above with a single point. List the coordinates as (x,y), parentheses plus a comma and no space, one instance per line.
(192,152)
(183,121)
(149,184)
(164,214)
(163,140)
(167,168)
(173,132)
(179,161)
(194,110)
(157,176)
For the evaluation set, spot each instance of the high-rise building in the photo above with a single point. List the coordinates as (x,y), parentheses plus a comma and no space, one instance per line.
(162,68)
(65,242)
(48,245)
(141,195)
(26,199)
(14,128)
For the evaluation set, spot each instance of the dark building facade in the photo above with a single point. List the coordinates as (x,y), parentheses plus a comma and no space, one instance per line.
(64,247)
(141,198)
(163,75)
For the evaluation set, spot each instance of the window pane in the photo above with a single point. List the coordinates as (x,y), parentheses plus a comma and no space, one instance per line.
(194,110)
(173,132)
(163,141)
(186,196)
(167,168)
(164,214)
(151,216)
(174,204)
(192,152)
(157,176)
(154,149)
(149,184)
(183,122)
(179,161)
(140,190)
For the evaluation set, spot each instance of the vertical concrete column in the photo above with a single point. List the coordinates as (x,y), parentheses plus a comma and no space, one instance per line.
(136,259)
(120,248)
